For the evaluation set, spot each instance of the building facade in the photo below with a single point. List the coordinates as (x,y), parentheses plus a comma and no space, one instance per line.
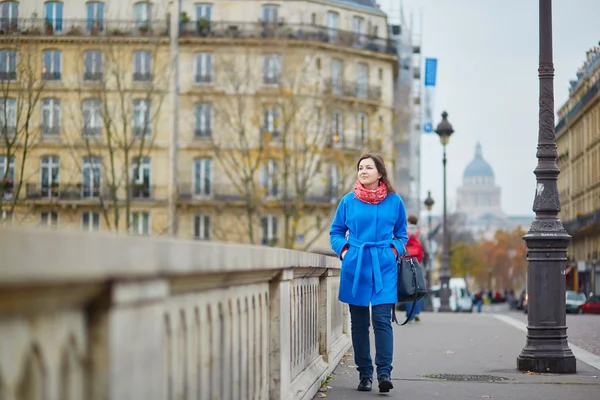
(578,142)
(479,202)
(216,121)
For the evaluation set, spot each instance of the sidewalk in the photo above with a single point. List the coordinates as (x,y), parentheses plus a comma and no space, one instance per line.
(463,344)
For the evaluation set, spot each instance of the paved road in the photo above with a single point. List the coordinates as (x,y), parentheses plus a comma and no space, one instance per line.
(475,353)
(584,330)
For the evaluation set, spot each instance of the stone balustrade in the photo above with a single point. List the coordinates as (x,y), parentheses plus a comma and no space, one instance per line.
(101,316)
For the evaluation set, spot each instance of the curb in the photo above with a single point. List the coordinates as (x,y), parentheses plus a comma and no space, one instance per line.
(579,353)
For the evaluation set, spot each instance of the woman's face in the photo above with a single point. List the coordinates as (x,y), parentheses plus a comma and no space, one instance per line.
(368,174)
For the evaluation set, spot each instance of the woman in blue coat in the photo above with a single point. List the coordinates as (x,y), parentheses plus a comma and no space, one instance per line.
(375,217)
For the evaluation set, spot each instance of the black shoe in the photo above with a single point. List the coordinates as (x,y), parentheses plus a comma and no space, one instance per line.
(385,384)
(365,385)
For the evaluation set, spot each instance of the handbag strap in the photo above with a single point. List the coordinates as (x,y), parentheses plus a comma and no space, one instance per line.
(414,303)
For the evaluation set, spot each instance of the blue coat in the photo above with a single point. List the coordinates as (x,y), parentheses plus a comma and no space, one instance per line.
(369,272)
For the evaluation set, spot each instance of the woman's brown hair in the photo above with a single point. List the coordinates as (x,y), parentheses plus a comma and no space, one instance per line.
(380,165)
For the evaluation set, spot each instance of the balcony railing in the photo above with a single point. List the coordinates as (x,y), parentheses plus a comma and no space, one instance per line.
(91,131)
(285,31)
(202,133)
(271,80)
(142,76)
(203,79)
(51,76)
(8,76)
(141,191)
(352,89)
(225,192)
(92,76)
(50,131)
(64,191)
(85,27)
(584,222)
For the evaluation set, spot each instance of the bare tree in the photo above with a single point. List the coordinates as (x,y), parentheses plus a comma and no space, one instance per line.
(114,122)
(21,87)
(276,142)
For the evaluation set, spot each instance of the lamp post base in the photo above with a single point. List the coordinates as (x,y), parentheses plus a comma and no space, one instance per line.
(548,363)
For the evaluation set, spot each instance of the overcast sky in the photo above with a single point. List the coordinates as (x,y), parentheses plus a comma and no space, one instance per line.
(487,53)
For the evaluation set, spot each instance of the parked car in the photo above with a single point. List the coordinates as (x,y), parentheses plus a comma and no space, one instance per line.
(574,300)
(592,306)
(460,298)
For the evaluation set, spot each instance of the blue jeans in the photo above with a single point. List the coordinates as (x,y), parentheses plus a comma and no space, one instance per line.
(418,305)
(384,339)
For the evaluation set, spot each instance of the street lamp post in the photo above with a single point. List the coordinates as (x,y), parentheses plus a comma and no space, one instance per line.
(444,130)
(546,348)
(429,204)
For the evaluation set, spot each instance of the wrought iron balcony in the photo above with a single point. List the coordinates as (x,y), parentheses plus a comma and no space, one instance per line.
(92,76)
(203,133)
(583,223)
(359,90)
(271,80)
(205,79)
(50,131)
(8,76)
(142,76)
(91,131)
(51,76)
(64,192)
(285,31)
(84,27)
(141,191)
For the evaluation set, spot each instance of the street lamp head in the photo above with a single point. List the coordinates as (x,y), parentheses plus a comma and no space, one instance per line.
(444,129)
(429,201)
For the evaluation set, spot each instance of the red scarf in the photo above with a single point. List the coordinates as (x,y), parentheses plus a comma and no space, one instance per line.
(374,196)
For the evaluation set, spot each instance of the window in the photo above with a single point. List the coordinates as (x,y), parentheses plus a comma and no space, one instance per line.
(9,16)
(203,113)
(7,177)
(8,117)
(92,118)
(90,221)
(49,175)
(92,65)
(142,122)
(333,24)
(8,65)
(362,129)
(142,66)
(358,29)
(52,65)
(54,15)
(361,80)
(91,177)
(50,117)
(269,230)
(204,11)
(270,13)
(49,219)
(95,16)
(202,227)
(335,183)
(142,12)
(336,76)
(141,173)
(271,69)
(272,122)
(203,68)
(140,223)
(337,128)
(202,177)
(270,183)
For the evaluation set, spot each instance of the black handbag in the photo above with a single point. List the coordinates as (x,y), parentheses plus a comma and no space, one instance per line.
(411,283)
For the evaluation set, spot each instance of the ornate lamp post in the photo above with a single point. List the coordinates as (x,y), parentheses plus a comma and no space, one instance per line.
(546,348)
(444,131)
(429,204)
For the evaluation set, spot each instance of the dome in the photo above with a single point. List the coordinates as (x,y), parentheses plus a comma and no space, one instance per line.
(478,167)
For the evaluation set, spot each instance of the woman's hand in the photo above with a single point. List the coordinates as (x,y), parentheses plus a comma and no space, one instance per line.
(343,253)
(395,251)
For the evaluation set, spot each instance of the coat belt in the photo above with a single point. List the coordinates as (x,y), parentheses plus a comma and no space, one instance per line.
(372,246)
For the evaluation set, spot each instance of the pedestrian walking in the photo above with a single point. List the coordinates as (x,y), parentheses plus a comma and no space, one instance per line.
(374,217)
(418,248)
